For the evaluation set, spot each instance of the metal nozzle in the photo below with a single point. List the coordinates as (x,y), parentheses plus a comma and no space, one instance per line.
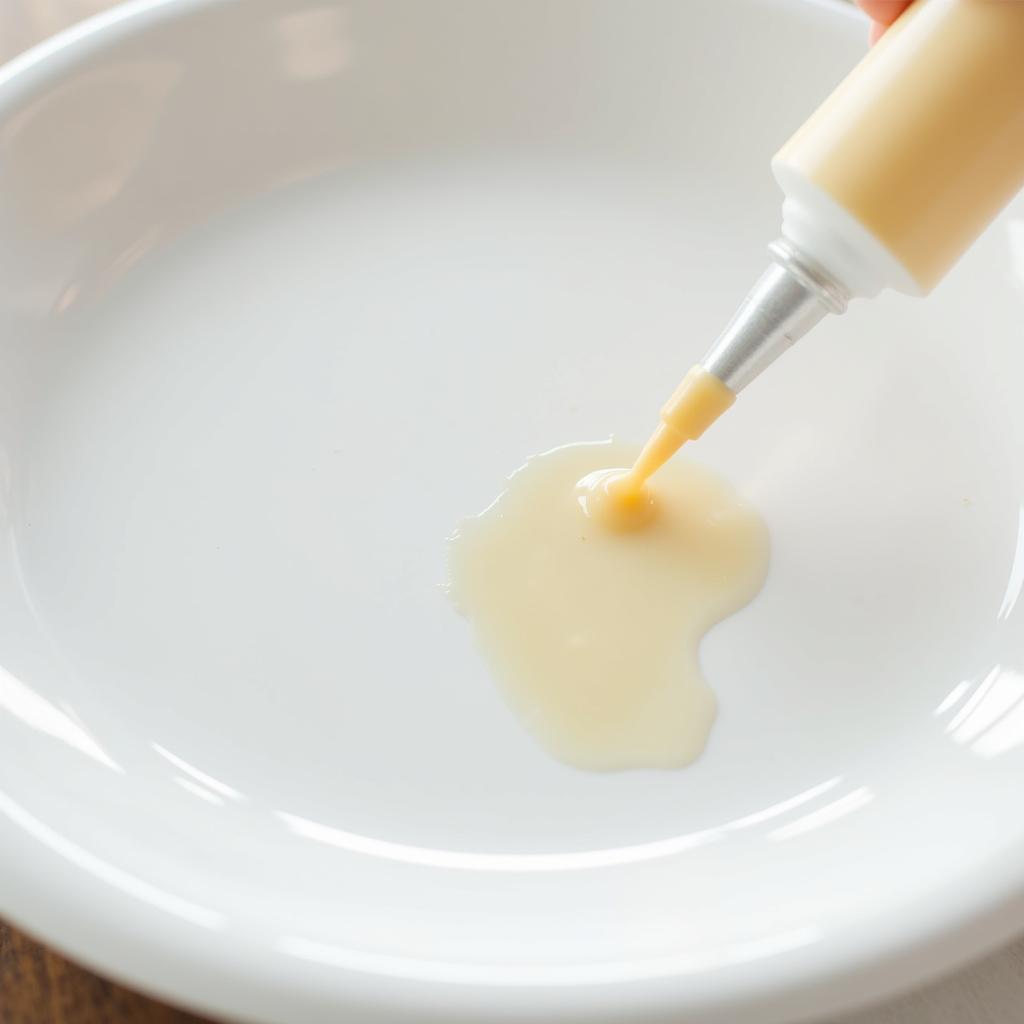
(789,299)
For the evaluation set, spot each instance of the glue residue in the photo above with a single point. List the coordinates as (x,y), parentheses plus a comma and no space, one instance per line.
(591,629)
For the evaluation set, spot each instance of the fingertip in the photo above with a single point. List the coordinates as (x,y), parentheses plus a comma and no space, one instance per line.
(885,12)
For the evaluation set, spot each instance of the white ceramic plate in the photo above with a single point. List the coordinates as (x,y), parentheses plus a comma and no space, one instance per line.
(287,287)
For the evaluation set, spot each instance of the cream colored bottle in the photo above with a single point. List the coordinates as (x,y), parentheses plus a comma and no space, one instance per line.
(912,156)
(886,185)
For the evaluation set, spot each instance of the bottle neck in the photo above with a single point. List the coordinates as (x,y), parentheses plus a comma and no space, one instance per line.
(829,236)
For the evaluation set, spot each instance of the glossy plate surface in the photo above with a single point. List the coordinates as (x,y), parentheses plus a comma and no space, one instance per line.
(286,288)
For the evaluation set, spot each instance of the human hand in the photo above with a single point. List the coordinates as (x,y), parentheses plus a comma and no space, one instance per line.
(882,13)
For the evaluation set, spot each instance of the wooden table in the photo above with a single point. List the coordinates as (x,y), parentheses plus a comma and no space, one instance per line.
(40,987)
